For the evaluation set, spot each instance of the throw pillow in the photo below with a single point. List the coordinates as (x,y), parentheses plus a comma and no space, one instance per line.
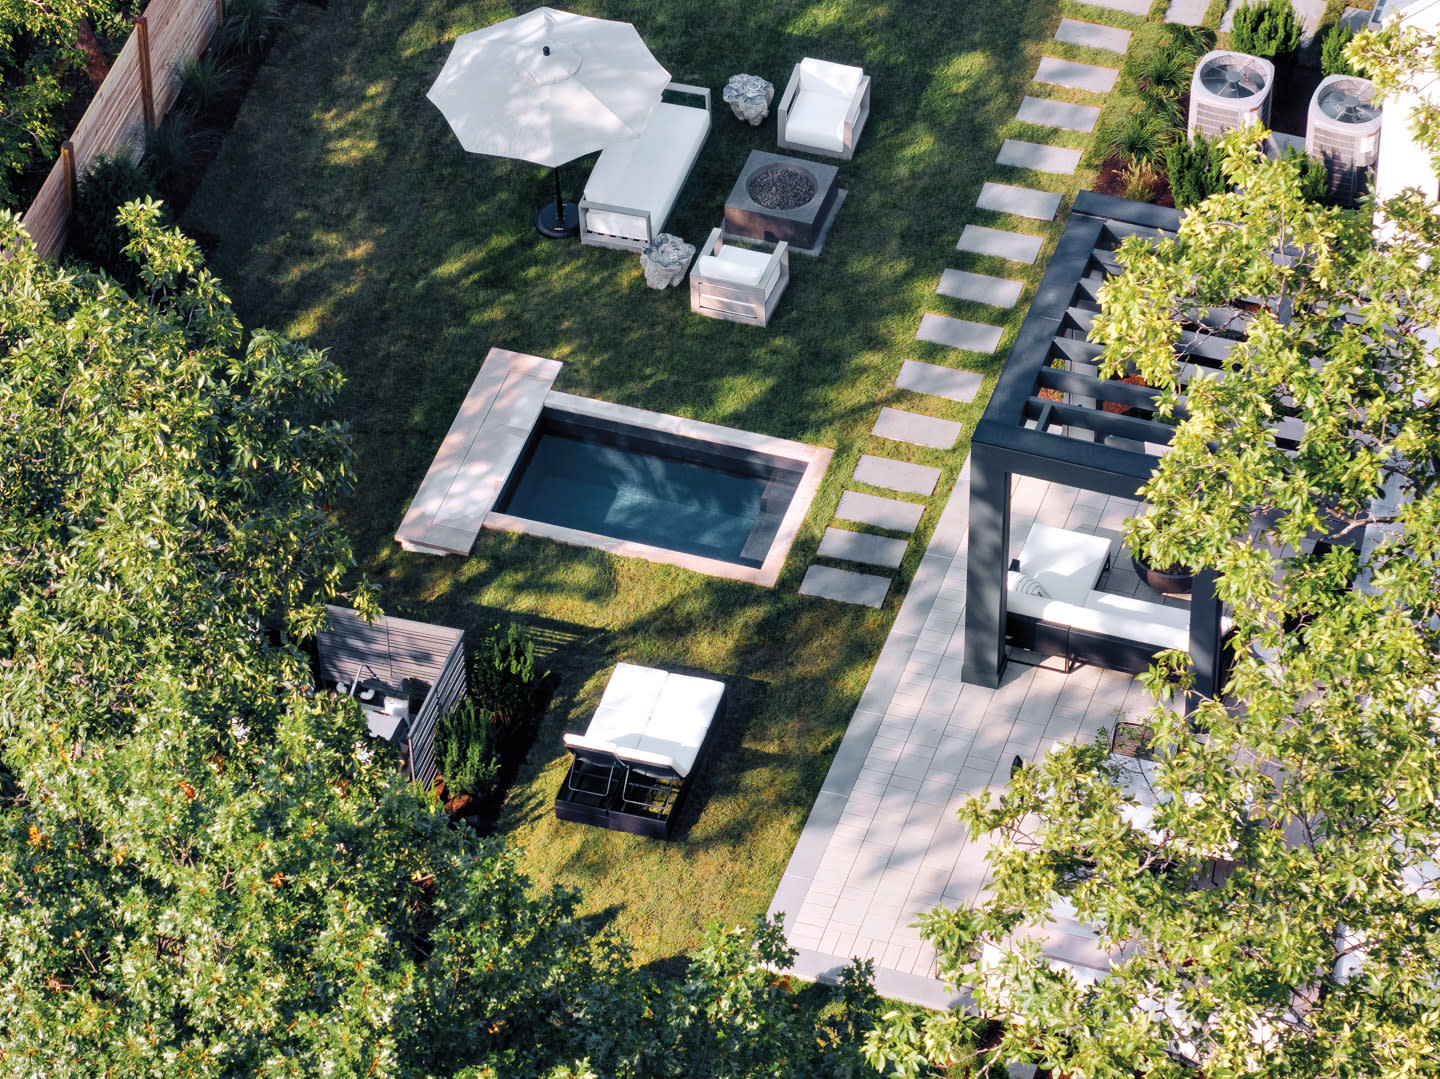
(1025,585)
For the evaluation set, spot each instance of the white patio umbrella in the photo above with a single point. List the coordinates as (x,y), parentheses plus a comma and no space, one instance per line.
(549,86)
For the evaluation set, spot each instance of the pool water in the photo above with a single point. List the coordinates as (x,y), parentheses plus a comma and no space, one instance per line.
(652,487)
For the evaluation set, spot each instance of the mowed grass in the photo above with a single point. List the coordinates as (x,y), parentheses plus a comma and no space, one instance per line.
(345,212)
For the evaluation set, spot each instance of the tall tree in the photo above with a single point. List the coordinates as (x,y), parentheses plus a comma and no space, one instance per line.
(1312,783)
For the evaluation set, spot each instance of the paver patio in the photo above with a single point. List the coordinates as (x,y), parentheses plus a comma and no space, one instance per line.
(882,843)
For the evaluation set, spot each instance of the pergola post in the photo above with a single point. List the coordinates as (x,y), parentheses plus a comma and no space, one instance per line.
(1206,643)
(986,567)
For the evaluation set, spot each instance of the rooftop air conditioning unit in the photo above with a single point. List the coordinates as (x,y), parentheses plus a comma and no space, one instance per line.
(1228,90)
(1343,129)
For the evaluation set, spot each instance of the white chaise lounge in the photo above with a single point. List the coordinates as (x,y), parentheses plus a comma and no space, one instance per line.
(632,766)
(1053,607)
(635,183)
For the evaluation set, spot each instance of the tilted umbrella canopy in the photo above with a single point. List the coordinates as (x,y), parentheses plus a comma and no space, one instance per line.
(548,86)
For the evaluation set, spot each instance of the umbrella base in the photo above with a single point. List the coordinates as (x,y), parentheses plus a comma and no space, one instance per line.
(547,226)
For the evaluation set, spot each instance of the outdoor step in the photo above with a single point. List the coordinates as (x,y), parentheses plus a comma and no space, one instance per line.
(881,512)
(896,475)
(979,287)
(1094,35)
(1024,201)
(901,426)
(845,585)
(1043,112)
(1130,7)
(939,381)
(1034,155)
(958,333)
(1015,246)
(862,547)
(1075,75)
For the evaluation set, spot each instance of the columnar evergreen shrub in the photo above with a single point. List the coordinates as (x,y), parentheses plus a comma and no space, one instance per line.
(1332,50)
(465,742)
(1269,29)
(1194,169)
(503,677)
(95,232)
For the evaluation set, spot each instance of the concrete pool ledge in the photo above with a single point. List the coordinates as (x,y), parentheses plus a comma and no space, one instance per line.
(488,440)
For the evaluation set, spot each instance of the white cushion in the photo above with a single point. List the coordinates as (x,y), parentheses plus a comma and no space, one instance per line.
(1015,581)
(1066,563)
(817,120)
(652,717)
(1127,625)
(681,719)
(1159,613)
(626,705)
(735,265)
(646,173)
(827,77)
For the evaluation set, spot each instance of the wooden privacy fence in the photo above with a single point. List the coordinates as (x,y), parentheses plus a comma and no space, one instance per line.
(138,92)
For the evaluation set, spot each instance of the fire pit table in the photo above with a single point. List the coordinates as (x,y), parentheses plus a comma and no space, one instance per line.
(784,198)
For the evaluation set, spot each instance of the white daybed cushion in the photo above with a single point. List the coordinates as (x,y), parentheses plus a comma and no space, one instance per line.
(828,77)
(1128,623)
(734,265)
(646,173)
(1067,564)
(681,719)
(626,706)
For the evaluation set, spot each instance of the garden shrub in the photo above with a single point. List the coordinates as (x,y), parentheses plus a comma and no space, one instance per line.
(1269,29)
(1314,175)
(465,748)
(95,233)
(204,80)
(1194,169)
(1332,50)
(1141,137)
(170,148)
(503,677)
(247,26)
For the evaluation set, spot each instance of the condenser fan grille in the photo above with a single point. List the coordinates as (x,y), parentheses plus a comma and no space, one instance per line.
(1232,81)
(1348,108)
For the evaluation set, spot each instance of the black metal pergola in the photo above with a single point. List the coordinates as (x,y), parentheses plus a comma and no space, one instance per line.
(1066,435)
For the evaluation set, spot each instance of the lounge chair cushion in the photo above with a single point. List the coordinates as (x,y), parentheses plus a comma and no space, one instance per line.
(652,719)
(828,77)
(1067,564)
(735,265)
(817,120)
(646,173)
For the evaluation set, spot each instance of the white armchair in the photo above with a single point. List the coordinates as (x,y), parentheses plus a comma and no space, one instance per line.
(737,283)
(824,107)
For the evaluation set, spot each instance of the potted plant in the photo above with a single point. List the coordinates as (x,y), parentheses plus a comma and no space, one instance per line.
(1167,580)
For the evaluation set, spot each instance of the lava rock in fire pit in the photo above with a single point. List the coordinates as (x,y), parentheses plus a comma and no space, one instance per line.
(781,187)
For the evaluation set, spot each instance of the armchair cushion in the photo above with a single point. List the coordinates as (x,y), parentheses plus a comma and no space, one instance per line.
(827,77)
(737,265)
(817,119)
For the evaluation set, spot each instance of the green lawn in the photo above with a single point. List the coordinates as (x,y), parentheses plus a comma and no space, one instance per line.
(347,213)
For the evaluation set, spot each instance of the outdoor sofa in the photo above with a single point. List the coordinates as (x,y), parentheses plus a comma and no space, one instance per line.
(631,768)
(1054,609)
(635,183)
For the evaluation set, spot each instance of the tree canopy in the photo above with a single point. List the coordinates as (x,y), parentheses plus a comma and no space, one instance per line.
(1278,915)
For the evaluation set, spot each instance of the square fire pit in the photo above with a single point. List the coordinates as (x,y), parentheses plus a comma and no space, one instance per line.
(783,198)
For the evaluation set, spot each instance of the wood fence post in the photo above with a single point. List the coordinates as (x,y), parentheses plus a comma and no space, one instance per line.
(219,13)
(147,84)
(67,160)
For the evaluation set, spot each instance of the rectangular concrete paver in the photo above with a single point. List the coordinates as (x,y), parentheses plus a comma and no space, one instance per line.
(845,585)
(1186,12)
(918,430)
(939,381)
(1024,201)
(958,332)
(1062,114)
(1093,35)
(1076,76)
(1033,155)
(896,475)
(1130,7)
(863,547)
(1015,246)
(979,287)
(881,512)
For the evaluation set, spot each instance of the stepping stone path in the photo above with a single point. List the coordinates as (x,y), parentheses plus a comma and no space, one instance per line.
(901,426)
(845,585)
(980,288)
(1042,112)
(896,475)
(1003,293)
(1032,155)
(888,513)
(1095,36)
(958,332)
(1076,76)
(1186,12)
(862,547)
(1015,246)
(1021,201)
(939,381)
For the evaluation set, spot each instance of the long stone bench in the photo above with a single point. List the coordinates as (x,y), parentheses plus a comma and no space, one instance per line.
(635,183)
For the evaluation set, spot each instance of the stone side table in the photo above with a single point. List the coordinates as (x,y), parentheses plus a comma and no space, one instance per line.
(666,260)
(749,97)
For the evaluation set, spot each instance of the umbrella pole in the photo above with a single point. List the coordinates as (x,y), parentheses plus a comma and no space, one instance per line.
(560,220)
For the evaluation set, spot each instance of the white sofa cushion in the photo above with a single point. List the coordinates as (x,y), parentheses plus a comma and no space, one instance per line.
(1159,613)
(646,173)
(828,77)
(736,265)
(1125,618)
(817,119)
(1066,563)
